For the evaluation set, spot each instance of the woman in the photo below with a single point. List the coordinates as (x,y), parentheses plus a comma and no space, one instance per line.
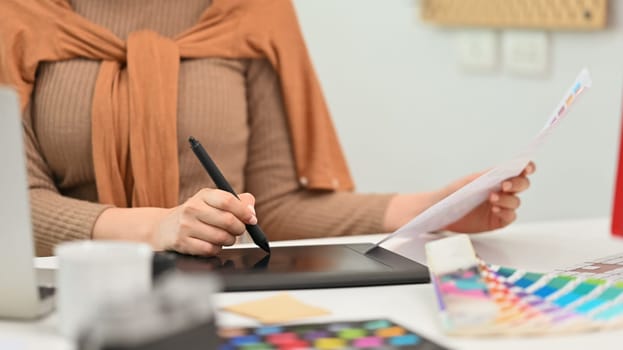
(112,89)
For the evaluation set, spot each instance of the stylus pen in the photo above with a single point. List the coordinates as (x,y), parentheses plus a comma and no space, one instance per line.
(255,231)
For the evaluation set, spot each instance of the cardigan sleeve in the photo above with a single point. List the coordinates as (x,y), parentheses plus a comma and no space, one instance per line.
(287,210)
(55,218)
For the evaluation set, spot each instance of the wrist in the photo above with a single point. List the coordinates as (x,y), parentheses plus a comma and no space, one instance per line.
(130,224)
(102,227)
(156,230)
(404,207)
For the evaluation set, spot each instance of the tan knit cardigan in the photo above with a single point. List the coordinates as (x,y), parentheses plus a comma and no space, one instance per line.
(134,141)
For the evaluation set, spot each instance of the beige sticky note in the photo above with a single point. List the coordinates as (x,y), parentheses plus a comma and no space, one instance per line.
(280,308)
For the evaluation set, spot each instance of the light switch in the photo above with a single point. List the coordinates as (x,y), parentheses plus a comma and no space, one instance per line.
(525,52)
(478,50)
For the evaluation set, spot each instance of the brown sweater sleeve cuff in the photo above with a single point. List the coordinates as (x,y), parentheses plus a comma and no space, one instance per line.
(58,219)
(315,215)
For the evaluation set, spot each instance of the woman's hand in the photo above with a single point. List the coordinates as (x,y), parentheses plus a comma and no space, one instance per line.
(205,223)
(496,212)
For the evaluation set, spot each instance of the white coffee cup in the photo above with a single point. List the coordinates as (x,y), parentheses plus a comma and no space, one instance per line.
(94,273)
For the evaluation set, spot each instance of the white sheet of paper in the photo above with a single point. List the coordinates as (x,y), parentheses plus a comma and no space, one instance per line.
(461,202)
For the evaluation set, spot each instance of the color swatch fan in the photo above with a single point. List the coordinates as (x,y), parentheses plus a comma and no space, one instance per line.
(480,299)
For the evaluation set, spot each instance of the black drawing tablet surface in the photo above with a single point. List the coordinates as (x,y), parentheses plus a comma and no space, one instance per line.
(299,267)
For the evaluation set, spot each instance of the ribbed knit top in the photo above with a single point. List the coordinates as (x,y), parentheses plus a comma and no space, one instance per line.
(234,107)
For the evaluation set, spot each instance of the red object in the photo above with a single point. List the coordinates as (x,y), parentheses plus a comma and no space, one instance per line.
(617,207)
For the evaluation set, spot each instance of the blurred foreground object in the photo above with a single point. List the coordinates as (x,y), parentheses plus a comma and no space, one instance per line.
(179,314)
(616,222)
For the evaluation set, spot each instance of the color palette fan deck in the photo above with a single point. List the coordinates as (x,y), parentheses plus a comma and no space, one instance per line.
(485,299)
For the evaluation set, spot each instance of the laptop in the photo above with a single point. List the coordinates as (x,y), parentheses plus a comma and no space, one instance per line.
(20,294)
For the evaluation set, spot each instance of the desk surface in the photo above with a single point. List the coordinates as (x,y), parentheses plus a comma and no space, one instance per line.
(533,246)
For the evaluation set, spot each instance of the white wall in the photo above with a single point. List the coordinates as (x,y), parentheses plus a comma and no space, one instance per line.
(411,120)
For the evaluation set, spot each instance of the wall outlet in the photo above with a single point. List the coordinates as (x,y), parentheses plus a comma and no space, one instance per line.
(525,52)
(478,50)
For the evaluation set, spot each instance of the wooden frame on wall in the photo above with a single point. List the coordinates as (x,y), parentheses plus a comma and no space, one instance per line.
(536,14)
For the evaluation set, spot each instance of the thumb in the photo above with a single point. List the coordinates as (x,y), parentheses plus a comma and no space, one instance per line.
(247,199)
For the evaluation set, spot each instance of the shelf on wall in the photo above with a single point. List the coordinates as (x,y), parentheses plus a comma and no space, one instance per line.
(537,14)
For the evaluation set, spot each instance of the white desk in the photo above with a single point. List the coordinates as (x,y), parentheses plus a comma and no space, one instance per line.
(534,246)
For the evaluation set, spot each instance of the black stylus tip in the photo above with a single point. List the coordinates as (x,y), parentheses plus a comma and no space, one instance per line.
(264,246)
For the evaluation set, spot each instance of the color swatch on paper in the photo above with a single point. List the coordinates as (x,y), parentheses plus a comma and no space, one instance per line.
(609,267)
(369,334)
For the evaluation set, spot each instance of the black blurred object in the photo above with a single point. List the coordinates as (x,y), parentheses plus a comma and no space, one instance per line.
(200,337)
(301,267)
(162,262)
(178,314)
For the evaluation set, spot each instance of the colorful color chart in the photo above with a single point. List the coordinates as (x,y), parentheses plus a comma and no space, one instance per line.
(529,303)
(370,334)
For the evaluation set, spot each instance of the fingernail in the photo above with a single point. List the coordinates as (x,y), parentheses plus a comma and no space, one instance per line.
(506,186)
(495,197)
(253,220)
(495,209)
(252,209)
